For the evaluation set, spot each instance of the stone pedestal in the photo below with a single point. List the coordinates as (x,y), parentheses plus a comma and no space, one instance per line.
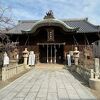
(25,60)
(94,84)
(76,60)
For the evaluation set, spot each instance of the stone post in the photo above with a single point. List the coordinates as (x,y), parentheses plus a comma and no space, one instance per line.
(96,60)
(3,73)
(91,74)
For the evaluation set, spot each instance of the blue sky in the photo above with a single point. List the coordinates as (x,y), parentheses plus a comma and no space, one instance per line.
(63,9)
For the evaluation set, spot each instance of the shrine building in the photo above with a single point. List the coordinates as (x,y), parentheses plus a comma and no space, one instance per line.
(52,38)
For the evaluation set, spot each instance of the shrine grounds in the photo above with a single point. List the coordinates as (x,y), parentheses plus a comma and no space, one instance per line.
(47,82)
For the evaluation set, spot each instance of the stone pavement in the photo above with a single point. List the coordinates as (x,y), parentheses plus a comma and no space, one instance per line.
(46,84)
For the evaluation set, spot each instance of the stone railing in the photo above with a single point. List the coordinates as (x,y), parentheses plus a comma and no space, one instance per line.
(94,81)
(10,71)
(84,72)
(92,76)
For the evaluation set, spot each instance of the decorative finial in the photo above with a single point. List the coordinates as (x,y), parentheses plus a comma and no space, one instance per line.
(49,14)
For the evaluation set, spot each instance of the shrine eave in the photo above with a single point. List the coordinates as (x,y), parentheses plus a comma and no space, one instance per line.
(50,23)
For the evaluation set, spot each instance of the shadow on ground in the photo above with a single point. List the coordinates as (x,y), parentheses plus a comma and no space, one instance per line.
(78,77)
(83,82)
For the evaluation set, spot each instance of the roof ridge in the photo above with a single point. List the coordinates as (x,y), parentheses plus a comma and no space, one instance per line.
(27,21)
(75,19)
(70,19)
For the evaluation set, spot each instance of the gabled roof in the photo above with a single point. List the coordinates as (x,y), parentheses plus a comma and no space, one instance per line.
(83,25)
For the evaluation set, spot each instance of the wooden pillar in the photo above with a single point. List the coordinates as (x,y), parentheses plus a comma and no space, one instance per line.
(51,54)
(55,54)
(47,53)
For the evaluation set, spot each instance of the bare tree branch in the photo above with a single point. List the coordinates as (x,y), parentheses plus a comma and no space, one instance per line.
(6,18)
(6,22)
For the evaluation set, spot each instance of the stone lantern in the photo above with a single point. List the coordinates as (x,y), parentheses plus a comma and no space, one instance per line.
(76,56)
(25,55)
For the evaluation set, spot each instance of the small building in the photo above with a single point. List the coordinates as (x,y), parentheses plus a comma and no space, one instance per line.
(51,38)
(96,48)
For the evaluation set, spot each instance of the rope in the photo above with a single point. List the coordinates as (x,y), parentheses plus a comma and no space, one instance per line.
(75,41)
(27,40)
(17,39)
(86,40)
(98,35)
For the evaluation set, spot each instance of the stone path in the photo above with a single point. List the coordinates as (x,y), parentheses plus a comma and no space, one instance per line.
(46,84)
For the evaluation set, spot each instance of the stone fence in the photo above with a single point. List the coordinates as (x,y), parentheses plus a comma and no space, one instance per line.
(10,71)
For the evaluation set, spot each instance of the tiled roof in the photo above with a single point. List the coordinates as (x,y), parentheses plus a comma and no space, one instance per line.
(21,26)
(83,25)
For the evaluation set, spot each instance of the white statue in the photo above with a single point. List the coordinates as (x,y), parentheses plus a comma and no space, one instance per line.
(76,56)
(17,56)
(69,59)
(6,60)
(31,60)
